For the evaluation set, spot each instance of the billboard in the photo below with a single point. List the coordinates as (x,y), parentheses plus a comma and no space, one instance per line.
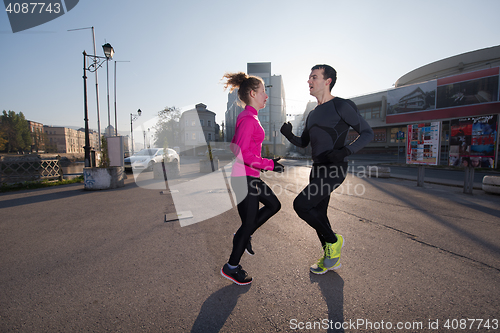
(483,90)
(473,141)
(418,97)
(422,143)
(464,95)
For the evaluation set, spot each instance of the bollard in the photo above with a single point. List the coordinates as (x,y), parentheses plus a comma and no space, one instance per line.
(421,176)
(469,180)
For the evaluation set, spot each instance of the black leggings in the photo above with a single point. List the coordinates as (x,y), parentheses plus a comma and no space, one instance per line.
(312,203)
(249,192)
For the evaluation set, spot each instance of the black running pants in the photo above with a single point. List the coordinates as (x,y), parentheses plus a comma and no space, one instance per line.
(248,208)
(311,204)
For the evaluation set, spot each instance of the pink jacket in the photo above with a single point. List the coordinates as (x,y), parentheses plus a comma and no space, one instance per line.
(247,145)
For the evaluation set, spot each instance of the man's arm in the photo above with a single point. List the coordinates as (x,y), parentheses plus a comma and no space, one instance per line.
(299,141)
(353,118)
(350,114)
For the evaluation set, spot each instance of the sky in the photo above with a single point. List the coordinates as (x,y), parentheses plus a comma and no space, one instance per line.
(174,53)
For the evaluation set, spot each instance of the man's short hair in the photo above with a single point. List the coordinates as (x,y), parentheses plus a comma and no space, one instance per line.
(328,73)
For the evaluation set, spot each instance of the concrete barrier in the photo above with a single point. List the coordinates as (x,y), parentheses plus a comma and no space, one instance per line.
(103,178)
(491,184)
(375,171)
(158,171)
(207,166)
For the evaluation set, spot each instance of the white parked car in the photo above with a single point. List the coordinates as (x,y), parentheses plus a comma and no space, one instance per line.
(145,159)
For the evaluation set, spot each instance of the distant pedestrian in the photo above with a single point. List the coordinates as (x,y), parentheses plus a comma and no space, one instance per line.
(250,190)
(326,129)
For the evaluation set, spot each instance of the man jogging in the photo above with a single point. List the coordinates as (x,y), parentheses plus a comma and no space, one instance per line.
(326,129)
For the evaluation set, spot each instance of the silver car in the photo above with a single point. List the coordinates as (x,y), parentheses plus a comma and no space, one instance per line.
(145,159)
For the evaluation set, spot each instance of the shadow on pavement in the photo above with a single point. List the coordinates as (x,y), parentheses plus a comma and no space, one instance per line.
(217,308)
(332,288)
(453,227)
(42,195)
(54,193)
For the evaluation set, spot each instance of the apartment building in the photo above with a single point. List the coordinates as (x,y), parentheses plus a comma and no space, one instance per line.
(37,137)
(68,140)
(197,128)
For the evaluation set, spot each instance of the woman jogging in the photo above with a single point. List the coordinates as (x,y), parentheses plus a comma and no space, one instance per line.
(245,177)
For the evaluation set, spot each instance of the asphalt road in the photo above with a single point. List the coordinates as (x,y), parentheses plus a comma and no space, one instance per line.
(415,257)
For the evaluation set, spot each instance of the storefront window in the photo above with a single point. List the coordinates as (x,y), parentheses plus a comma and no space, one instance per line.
(379,135)
(394,133)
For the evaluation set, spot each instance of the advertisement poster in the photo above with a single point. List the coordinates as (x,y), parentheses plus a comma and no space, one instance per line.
(483,90)
(423,143)
(456,96)
(418,97)
(473,141)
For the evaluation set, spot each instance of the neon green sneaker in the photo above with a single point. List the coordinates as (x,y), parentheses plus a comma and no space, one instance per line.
(318,267)
(331,257)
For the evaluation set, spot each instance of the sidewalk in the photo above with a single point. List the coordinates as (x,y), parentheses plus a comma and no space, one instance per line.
(431,180)
(398,168)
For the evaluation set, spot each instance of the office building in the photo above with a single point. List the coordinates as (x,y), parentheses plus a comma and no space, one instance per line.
(271,117)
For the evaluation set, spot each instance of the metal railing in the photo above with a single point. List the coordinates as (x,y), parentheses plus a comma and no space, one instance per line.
(29,168)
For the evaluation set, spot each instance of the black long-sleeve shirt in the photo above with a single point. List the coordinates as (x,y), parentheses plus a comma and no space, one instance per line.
(327,127)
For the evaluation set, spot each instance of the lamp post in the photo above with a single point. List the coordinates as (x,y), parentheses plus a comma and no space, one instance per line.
(96,87)
(133,117)
(108,51)
(94,66)
(116,118)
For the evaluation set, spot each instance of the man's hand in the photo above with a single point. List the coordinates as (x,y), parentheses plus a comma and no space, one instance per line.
(278,167)
(286,129)
(338,155)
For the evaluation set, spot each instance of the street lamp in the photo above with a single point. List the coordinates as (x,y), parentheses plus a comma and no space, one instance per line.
(94,66)
(108,52)
(133,117)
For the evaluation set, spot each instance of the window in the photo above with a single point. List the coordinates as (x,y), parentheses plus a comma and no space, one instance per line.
(394,133)
(193,123)
(379,135)
(201,122)
(193,137)
(370,112)
(209,123)
(187,136)
(209,136)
